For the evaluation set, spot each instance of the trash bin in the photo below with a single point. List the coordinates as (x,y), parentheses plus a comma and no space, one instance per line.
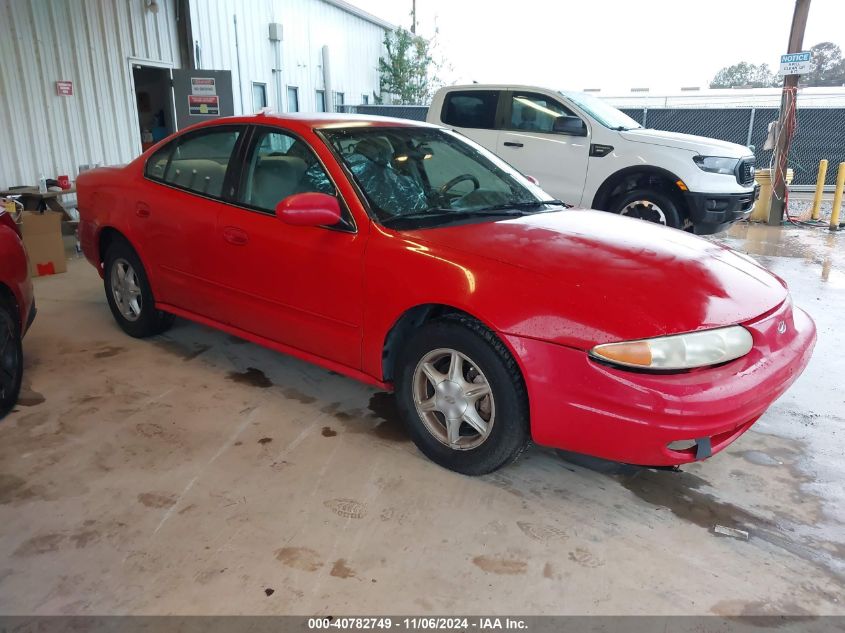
(760,212)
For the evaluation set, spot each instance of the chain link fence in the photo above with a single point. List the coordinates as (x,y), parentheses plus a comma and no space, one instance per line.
(820,132)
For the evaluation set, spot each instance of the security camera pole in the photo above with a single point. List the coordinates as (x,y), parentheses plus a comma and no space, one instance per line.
(788,105)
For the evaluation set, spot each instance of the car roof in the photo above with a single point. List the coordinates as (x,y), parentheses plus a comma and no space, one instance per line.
(313,121)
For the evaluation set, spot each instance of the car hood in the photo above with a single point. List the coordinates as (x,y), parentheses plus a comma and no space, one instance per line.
(699,144)
(581,277)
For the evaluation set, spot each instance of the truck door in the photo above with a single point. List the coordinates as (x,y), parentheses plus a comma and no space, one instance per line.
(475,114)
(527,141)
(200,95)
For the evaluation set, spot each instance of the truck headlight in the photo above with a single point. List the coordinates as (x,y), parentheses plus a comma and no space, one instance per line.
(680,351)
(716,164)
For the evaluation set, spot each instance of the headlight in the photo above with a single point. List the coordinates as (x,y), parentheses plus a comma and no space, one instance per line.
(681,351)
(716,164)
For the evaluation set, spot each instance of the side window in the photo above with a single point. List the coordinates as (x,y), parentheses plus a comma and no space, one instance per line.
(199,161)
(535,112)
(471,108)
(157,163)
(281,165)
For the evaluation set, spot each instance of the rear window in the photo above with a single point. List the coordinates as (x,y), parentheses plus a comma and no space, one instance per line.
(471,108)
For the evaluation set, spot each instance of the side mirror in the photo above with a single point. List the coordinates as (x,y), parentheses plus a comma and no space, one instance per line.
(571,125)
(309,209)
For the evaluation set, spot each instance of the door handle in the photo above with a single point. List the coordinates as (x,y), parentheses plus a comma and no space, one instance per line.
(512,144)
(142,210)
(236,236)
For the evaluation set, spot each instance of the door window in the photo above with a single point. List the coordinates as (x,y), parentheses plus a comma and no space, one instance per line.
(471,108)
(535,112)
(196,161)
(279,166)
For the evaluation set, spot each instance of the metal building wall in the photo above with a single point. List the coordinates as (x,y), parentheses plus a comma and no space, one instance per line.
(88,42)
(355,44)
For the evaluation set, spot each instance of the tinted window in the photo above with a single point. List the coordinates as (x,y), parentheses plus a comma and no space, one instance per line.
(471,108)
(281,165)
(196,161)
(535,112)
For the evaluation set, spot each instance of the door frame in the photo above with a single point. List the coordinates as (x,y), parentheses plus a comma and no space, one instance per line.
(150,63)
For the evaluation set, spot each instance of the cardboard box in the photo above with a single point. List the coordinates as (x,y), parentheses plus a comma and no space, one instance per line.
(42,237)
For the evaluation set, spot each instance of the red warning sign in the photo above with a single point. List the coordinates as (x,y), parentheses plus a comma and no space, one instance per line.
(202,105)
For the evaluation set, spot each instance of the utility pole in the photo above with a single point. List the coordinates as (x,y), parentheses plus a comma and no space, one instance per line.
(788,107)
(414,17)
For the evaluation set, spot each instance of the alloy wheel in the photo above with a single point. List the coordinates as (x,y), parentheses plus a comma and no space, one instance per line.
(126,289)
(453,399)
(644,210)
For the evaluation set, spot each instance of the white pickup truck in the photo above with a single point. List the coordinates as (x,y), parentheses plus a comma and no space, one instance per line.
(589,154)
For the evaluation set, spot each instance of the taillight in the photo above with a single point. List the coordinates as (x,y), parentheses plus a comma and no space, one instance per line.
(7,219)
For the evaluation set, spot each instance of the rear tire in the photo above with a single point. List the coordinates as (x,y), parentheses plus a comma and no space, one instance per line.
(650,205)
(462,396)
(11,359)
(129,294)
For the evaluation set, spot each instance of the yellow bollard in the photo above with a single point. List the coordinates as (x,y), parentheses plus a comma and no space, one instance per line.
(837,197)
(817,201)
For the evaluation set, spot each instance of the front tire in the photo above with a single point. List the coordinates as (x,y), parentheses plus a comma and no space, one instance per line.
(11,359)
(650,205)
(129,294)
(462,396)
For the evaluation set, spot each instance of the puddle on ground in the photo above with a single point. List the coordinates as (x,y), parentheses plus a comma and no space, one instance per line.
(252,377)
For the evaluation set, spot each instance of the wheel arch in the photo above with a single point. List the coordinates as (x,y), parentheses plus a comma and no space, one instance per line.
(411,319)
(637,176)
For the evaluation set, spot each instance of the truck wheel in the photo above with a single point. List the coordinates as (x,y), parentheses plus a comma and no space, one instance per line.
(129,294)
(11,359)
(649,205)
(462,396)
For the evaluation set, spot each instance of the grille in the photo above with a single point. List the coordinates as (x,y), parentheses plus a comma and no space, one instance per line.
(745,172)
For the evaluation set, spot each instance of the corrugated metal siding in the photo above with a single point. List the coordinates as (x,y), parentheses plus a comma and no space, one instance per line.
(88,42)
(355,45)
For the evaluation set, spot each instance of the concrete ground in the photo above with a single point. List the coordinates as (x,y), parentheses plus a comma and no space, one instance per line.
(196,473)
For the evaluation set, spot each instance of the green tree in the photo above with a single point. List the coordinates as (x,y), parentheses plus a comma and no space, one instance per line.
(829,67)
(744,75)
(408,74)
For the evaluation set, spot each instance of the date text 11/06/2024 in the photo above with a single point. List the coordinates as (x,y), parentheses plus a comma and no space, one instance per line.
(418,623)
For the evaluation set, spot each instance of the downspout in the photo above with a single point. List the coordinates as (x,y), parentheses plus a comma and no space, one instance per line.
(238,61)
(327,80)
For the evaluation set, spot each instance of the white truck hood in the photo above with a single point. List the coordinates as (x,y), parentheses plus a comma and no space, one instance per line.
(699,144)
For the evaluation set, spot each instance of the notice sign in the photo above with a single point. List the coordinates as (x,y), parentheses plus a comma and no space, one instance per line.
(796,63)
(200,105)
(203,86)
(64,88)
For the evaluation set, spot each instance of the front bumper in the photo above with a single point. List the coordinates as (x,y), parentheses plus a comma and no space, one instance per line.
(583,406)
(714,212)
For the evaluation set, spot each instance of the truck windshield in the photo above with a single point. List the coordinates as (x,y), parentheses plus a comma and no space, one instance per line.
(416,176)
(601,111)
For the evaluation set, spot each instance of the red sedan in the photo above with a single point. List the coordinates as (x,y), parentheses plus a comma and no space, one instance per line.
(17,310)
(405,256)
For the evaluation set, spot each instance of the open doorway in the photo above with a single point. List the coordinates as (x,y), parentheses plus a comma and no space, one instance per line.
(154,99)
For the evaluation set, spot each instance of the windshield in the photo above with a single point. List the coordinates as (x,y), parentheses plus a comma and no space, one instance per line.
(416,175)
(601,111)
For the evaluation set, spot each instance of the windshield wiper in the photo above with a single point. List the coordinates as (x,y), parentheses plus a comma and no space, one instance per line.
(523,205)
(454,214)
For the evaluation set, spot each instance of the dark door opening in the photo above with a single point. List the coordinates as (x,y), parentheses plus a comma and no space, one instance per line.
(154,98)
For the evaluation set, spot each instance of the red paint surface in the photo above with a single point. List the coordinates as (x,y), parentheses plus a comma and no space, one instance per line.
(14,268)
(551,286)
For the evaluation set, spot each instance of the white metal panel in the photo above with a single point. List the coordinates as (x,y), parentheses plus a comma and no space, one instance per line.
(355,43)
(88,42)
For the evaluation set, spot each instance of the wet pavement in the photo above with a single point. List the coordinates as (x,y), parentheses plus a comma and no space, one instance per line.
(197,473)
